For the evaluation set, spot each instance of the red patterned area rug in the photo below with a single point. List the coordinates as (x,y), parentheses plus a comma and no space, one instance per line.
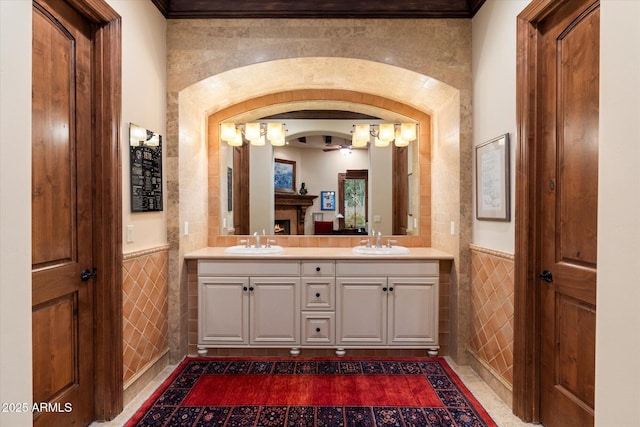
(308,392)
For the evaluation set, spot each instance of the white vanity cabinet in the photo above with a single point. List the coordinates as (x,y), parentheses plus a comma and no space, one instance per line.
(386,303)
(248,303)
(331,300)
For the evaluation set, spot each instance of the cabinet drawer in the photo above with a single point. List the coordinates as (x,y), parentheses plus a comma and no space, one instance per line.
(318,294)
(387,268)
(259,267)
(318,328)
(321,268)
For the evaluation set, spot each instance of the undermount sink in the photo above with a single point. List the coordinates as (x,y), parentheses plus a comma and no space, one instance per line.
(393,250)
(252,250)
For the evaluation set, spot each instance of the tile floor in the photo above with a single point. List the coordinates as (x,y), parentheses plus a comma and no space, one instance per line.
(492,403)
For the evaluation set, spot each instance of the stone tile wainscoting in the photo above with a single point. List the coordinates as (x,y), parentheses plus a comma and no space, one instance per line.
(145,317)
(491,340)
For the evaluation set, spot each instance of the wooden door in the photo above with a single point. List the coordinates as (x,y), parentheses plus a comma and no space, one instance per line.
(400,190)
(62,243)
(568,76)
(240,192)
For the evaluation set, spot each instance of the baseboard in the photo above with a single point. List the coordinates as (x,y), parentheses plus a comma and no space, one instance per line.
(502,388)
(138,382)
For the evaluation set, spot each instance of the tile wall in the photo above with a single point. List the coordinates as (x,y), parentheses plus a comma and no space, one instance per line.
(145,310)
(213,64)
(491,342)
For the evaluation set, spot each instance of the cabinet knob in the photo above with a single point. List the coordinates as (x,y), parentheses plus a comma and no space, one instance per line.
(384,289)
(317,294)
(317,329)
(251,288)
(245,289)
(317,268)
(391,289)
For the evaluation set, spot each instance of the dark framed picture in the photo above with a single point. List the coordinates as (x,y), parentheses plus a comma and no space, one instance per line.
(492,180)
(328,200)
(145,153)
(284,176)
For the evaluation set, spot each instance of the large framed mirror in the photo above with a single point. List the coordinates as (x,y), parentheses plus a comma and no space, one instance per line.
(322,152)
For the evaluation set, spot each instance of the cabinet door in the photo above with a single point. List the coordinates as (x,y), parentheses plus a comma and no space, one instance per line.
(223,310)
(413,311)
(275,310)
(361,310)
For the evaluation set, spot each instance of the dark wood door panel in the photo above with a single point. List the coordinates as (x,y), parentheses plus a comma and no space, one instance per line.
(568,102)
(62,304)
(55,347)
(53,154)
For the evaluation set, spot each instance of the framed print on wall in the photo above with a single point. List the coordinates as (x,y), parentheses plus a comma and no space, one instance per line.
(328,200)
(492,180)
(145,169)
(284,176)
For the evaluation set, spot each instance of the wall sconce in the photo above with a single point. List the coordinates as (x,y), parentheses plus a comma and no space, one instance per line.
(256,133)
(400,133)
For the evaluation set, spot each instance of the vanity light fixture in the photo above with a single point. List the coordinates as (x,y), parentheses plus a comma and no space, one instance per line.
(256,133)
(384,133)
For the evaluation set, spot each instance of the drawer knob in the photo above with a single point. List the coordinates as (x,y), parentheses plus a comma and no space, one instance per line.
(317,268)
(317,294)
(317,329)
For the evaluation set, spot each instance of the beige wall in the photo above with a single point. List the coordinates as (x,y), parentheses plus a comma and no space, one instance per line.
(15,208)
(144,77)
(494,101)
(618,294)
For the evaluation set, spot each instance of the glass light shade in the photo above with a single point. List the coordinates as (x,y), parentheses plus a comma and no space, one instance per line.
(236,139)
(386,132)
(227,131)
(380,143)
(360,136)
(274,131)
(408,131)
(252,131)
(258,141)
(400,141)
(277,142)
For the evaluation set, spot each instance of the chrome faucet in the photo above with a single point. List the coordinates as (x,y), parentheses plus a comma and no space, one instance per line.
(257,236)
(379,240)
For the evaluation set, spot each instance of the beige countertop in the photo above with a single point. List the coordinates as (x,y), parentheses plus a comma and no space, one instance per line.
(333,253)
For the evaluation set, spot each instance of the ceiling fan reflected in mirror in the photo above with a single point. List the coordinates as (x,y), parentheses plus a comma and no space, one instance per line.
(344,147)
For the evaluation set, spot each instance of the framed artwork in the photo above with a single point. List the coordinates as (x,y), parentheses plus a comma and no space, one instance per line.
(328,200)
(145,171)
(492,180)
(284,176)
